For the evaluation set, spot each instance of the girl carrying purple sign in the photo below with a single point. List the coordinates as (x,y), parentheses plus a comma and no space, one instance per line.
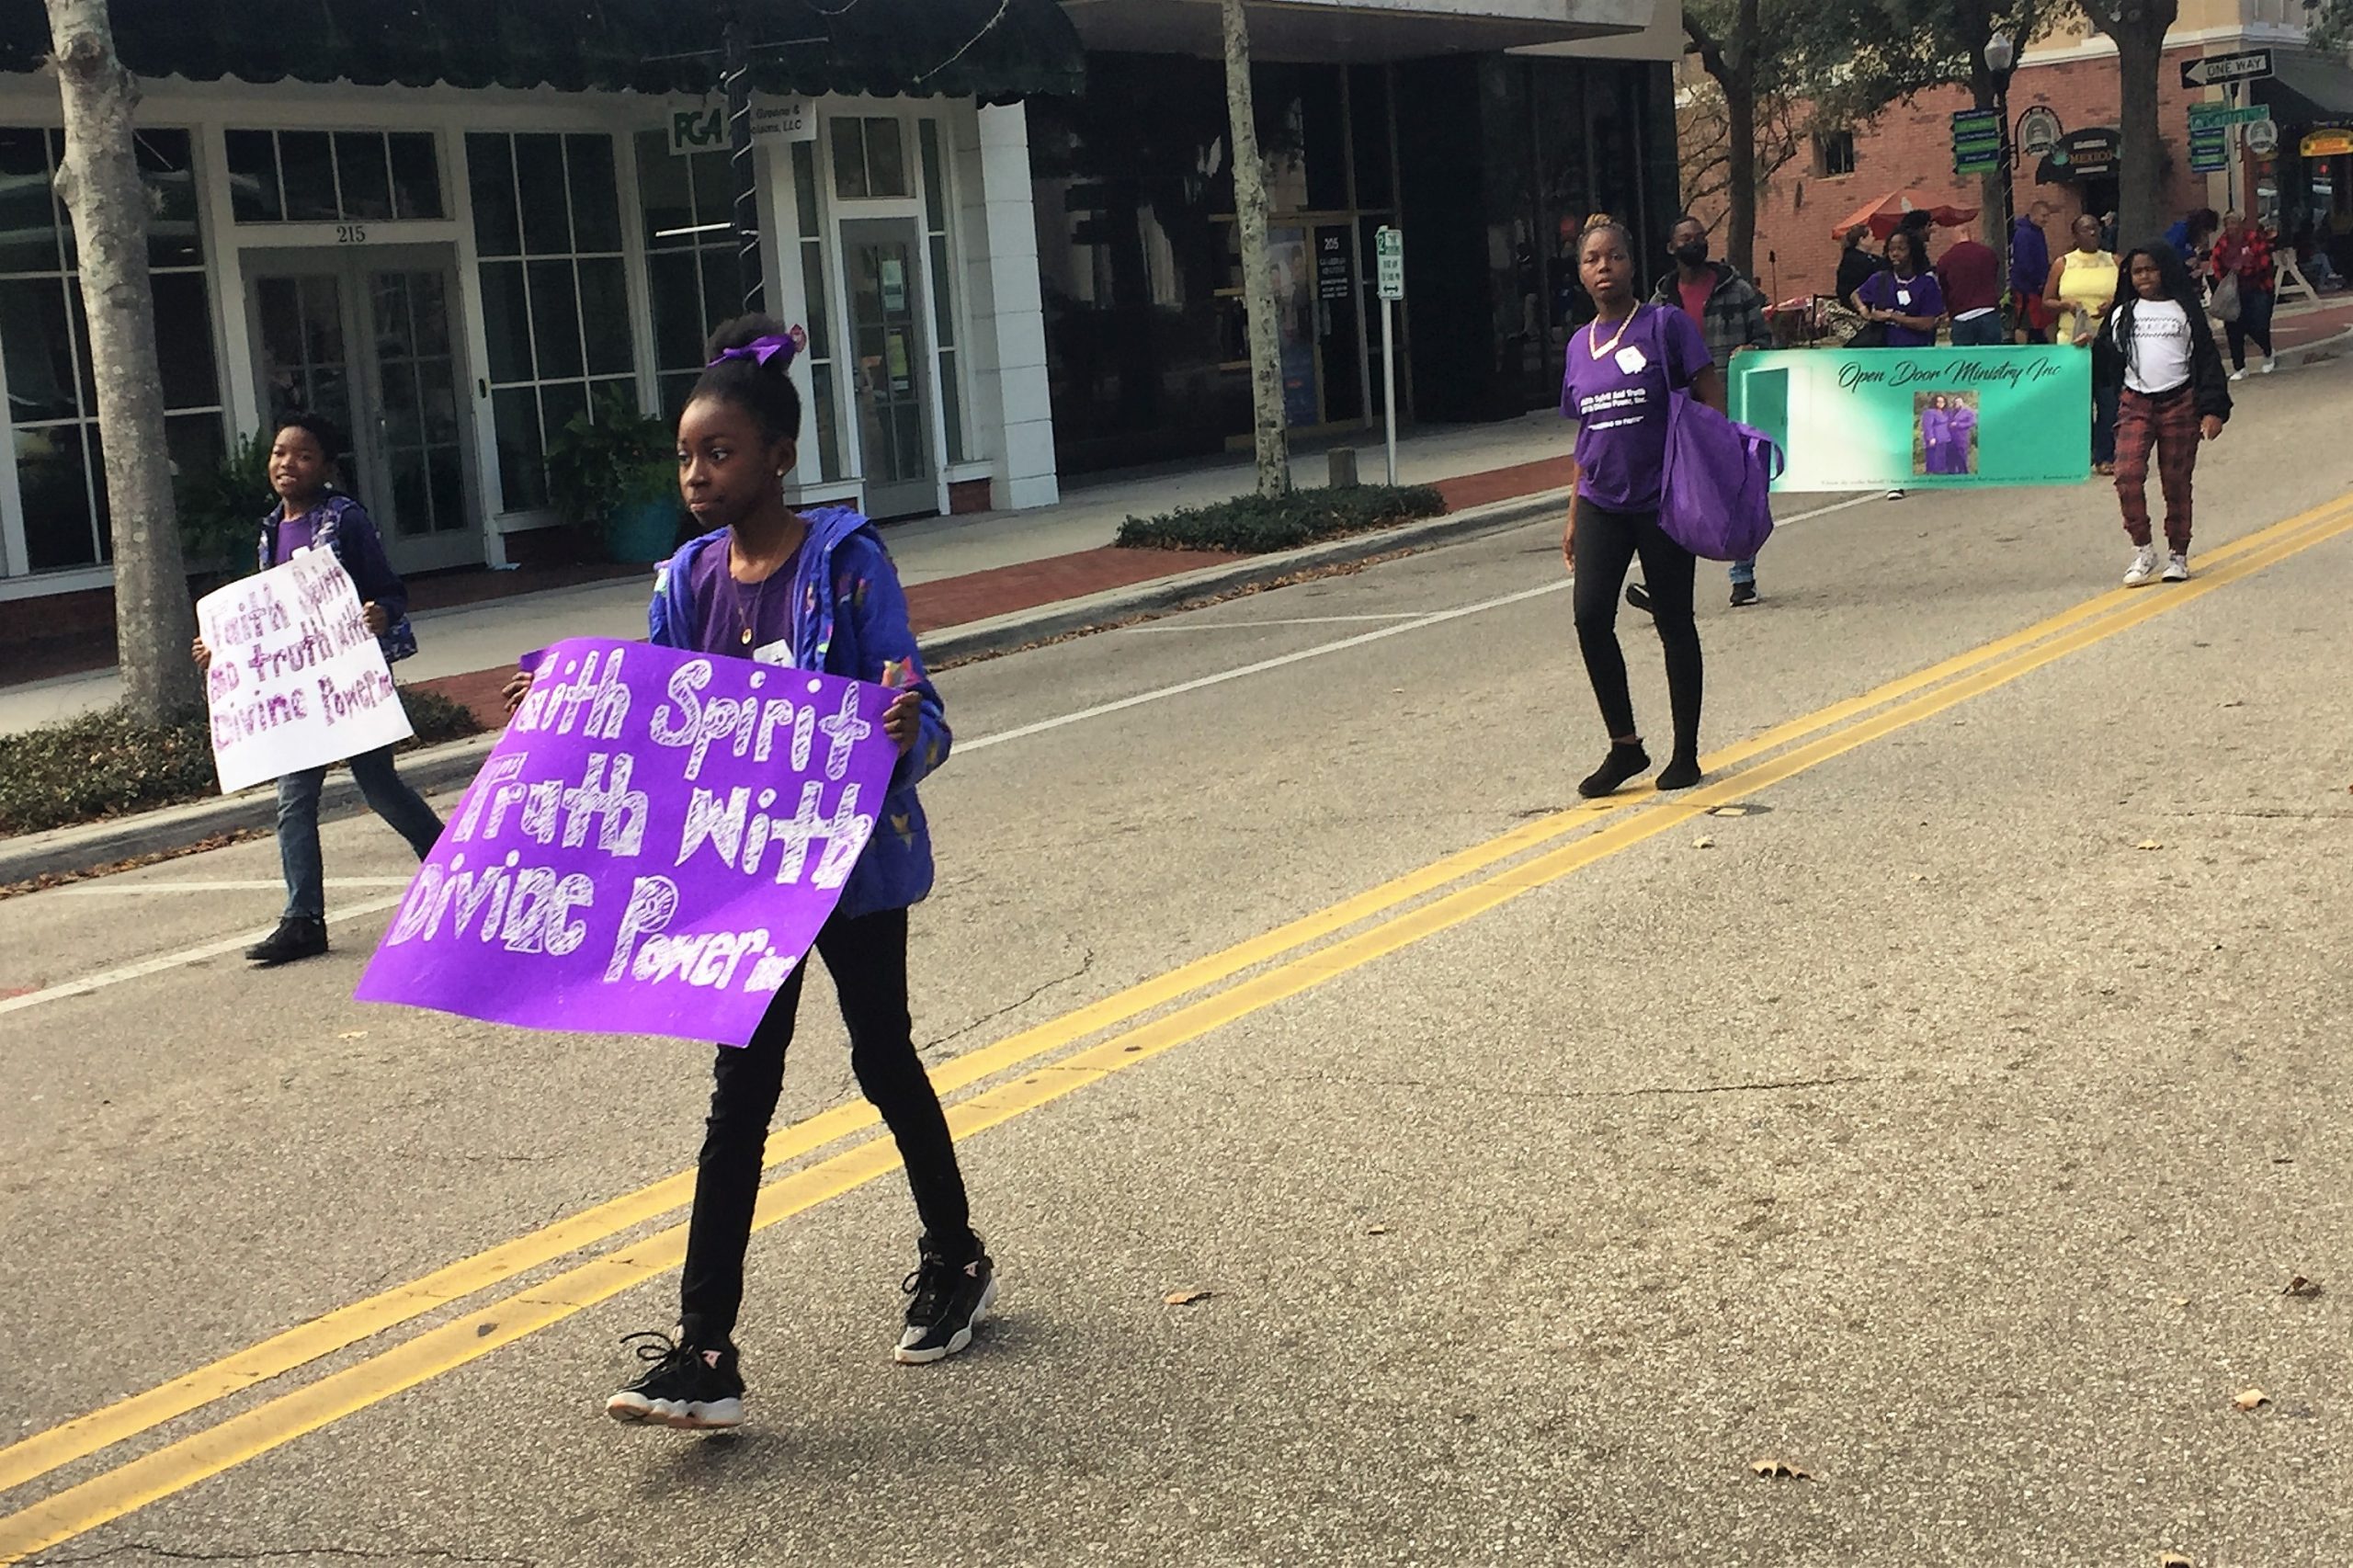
(814,592)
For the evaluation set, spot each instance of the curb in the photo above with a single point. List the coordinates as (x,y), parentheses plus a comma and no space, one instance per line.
(1003,633)
(435,769)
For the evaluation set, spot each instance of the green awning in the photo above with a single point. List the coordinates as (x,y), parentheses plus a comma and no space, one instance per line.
(996,51)
(2307,88)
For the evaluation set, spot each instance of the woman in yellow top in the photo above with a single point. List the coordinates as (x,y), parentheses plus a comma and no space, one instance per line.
(2082,287)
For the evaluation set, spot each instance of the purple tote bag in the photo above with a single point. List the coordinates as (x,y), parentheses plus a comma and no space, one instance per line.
(1715,496)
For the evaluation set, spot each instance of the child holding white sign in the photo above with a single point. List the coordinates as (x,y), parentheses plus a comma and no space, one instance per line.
(814,592)
(311,516)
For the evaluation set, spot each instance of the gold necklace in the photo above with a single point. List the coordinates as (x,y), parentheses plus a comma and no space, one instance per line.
(736,592)
(1596,348)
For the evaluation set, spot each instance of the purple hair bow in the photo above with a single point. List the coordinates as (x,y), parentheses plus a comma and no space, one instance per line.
(760,350)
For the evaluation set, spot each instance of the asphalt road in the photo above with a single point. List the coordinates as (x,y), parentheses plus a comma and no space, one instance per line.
(1938,1102)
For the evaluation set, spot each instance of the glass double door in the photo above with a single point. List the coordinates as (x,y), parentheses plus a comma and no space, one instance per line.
(893,379)
(368,340)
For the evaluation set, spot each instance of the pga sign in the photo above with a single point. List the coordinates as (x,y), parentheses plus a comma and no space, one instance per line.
(702,126)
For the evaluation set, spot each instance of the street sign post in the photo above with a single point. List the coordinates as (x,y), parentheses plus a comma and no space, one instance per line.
(1976,140)
(2219,115)
(2246,65)
(1388,273)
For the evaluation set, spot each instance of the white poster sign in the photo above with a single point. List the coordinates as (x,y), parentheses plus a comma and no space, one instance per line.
(297,679)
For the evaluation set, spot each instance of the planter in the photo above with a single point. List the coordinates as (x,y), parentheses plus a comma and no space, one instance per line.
(643,531)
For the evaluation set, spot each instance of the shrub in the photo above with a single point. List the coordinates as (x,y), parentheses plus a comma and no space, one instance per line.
(102,765)
(1255,525)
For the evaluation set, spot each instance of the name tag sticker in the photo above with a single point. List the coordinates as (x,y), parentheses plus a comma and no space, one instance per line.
(777,653)
(1904,296)
(1632,360)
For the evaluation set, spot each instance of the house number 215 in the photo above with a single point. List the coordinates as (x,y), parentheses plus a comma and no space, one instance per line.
(351,233)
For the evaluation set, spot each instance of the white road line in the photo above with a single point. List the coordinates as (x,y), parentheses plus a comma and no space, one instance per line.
(1181,688)
(186,956)
(258,884)
(1172,625)
(163,961)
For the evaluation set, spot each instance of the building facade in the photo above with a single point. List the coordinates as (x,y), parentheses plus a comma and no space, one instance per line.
(453,274)
(2071,76)
(1486,131)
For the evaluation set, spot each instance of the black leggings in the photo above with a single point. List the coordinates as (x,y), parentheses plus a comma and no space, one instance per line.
(868,959)
(1607,543)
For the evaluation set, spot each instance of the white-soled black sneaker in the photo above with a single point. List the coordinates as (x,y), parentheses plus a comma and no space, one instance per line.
(2177,567)
(950,1301)
(687,1386)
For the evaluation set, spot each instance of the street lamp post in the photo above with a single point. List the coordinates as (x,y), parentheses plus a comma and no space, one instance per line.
(2001,54)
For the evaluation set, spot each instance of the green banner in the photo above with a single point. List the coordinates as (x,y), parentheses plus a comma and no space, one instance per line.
(1920,418)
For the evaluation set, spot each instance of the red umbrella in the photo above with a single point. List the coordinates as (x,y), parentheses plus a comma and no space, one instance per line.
(1883,215)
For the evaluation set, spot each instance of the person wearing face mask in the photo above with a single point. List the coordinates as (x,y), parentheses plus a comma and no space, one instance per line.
(1729,310)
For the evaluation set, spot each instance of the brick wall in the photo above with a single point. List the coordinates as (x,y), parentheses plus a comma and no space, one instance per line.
(1909,148)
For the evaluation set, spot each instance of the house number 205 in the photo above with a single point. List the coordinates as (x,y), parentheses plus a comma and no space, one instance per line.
(351,233)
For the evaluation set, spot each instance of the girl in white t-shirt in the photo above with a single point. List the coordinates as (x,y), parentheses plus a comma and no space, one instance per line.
(2174,393)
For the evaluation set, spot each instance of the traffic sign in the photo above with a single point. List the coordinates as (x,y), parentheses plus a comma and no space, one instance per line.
(2263,138)
(2203,114)
(2244,66)
(1389,262)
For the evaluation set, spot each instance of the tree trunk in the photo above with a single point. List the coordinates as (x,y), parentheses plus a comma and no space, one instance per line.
(2140,54)
(2138,29)
(100,185)
(1740,118)
(1740,220)
(1271,436)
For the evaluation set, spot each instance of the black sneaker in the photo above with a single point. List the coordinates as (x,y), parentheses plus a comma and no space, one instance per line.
(949,1302)
(1744,594)
(687,1387)
(296,938)
(1638,596)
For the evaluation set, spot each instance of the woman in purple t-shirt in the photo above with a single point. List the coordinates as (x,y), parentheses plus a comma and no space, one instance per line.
(1905,299)
(1622,371)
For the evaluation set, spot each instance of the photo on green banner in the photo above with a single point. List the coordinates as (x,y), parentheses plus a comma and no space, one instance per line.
(1944,433)
(1920,418)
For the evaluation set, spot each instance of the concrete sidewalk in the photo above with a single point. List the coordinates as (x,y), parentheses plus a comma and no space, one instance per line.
(959,571)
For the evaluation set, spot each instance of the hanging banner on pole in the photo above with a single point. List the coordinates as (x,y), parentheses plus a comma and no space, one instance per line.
(651,847)
(1920,418)
(297,680)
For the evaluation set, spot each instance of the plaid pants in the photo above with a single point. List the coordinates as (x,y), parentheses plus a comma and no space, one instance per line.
(2168,422)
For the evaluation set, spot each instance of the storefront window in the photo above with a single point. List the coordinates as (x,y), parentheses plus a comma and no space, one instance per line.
(555,293)
(690,273)
(820,323)
(870,159)
(44,341)
(342,177)
(943,292)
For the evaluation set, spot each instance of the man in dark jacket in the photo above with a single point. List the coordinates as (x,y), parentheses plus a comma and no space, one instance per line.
(1729,314)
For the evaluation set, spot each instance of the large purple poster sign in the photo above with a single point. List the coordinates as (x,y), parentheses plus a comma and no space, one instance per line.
(650,849)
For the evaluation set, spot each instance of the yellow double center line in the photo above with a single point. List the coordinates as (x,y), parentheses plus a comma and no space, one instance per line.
(1809,741)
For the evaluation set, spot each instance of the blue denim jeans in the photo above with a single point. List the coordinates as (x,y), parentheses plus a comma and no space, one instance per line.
(1978,332)
(298,825)
(1744,571)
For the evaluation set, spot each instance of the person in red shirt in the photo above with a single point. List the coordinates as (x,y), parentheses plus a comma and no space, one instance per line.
(1971,274)
(2244,253)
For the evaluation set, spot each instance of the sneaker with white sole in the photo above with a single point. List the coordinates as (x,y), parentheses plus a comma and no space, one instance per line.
(2239,374)
(2178,566)
(687,1387)
(2144,570)
(2268,365)
(950,1301)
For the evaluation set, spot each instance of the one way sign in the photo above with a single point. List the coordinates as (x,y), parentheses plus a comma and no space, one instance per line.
(2244,66)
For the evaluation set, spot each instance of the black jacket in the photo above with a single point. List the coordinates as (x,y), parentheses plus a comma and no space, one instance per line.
(2209,383)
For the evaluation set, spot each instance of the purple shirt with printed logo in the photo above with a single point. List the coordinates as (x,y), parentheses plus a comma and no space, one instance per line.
(1619,402)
